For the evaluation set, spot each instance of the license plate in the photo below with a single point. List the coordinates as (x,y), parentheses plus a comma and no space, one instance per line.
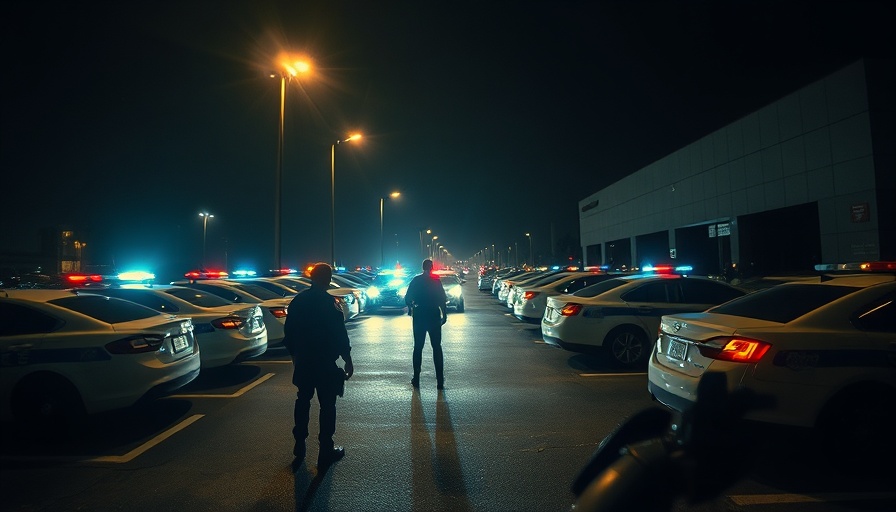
(677,350)
(179,343)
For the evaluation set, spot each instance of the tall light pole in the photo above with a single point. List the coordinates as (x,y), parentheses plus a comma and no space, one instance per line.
(529,236)
(432,247)
(333,195)
(286,72)
(205,216)
(382,242)
(423,245)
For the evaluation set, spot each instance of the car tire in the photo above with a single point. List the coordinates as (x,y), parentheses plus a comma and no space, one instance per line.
(460,306)
(627,346)
(46,399)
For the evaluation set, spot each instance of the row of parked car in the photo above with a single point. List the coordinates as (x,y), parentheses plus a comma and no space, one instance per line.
(84,344)
(819,347)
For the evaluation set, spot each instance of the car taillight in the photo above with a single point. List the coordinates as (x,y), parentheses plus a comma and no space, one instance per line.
(135,344)
(228,322)
(278,312)
(530,295)
(571,309)
(737,350)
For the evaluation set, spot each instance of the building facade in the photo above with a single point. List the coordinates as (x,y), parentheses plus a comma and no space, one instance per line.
(807,179)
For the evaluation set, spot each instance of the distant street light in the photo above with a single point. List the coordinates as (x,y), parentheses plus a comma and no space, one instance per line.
(287,70)
(529,236)
(205,216)
(333,195)
(382,242)
(432,247)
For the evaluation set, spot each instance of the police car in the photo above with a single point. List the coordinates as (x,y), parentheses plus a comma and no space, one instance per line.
(824,349)
(620,316)
(66,354)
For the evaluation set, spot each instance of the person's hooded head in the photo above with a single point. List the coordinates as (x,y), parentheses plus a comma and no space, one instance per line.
(321,273)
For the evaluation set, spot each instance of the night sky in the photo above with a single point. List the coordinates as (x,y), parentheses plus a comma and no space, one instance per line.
(493,119)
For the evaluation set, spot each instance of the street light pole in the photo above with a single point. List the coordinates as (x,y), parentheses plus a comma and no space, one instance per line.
(529,236)
(382,241)
(205,216)
(278,194)
(286,72)
(333,196)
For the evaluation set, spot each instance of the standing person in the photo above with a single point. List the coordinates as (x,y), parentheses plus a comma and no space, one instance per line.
(426,299)
(315,338)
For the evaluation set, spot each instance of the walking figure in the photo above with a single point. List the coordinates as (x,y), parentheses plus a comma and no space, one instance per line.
(426,299)
(315,338)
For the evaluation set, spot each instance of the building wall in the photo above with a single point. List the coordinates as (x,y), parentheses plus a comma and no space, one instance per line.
(812,146)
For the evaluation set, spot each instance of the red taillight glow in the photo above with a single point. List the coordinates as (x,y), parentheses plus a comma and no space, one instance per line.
(84,278)
(571,309)
(230,322)
(530,295)
(737,350)
(278,312)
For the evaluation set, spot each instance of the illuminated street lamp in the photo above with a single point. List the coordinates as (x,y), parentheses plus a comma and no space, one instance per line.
(205,216)
(333,195)
(382,242)
(529,236)
(432,247)
(287,70)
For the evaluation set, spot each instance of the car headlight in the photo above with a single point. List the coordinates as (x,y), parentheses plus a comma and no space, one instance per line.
(402,291)
(455,291)
(373,292)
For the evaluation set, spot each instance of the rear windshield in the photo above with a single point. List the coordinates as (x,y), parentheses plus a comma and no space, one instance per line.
(599,288)
(198,298)
(105,309)
(783,303)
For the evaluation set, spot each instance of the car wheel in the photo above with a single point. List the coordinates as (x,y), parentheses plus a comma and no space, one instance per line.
(46,399)
(627,346)
(460,306)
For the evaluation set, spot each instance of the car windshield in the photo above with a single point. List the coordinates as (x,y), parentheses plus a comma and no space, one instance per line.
(449,280)
(105,309)
(198,298)
(390,281)
(596,289)
(783,303)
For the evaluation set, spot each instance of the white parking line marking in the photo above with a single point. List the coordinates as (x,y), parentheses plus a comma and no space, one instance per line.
(136,452)
(610,374)
(234,395)
(771,499)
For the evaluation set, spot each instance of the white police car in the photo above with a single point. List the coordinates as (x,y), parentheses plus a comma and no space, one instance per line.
(620,316)
(824,349)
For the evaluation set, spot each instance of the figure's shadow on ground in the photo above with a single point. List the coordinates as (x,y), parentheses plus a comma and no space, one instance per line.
(310,484)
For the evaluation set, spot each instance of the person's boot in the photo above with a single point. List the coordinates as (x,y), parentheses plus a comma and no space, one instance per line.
(415,381)
(328,456)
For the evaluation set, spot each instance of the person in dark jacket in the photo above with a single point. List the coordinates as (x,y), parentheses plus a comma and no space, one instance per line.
(426,299)
(315,338)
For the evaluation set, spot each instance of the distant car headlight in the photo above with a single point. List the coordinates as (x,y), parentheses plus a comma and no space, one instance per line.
(454,291)
(402,291)
(373,292)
